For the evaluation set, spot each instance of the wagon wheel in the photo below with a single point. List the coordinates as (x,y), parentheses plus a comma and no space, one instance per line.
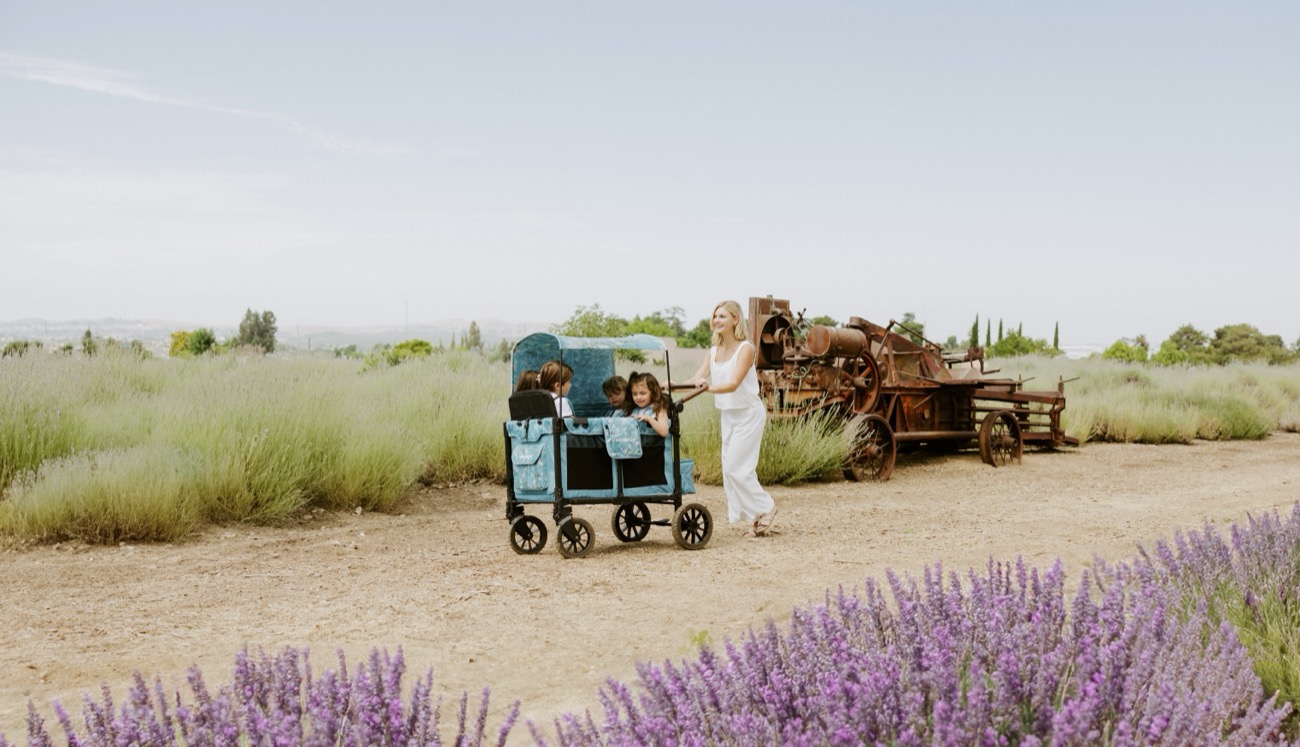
(1000,441)
(527,535)
(874,451)
(692,526)
(631,522)
(865,373)
(575,537)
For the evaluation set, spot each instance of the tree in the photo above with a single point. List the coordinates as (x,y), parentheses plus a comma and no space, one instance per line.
(19,348)
(824,320)
(699,336)
(1056,337)
(975,333)
(1014,344)
(180,343)
(201,341)
(999,330)
(1126,351)
(591,321)
(653,325)
(473,340)
(912,328)
(667,322)
(88,344)
(1244,342)
(502,351)
(413,348)
(988,334)
(257,330)
(1186,346)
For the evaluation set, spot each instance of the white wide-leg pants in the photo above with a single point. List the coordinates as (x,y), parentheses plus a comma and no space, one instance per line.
(742,433)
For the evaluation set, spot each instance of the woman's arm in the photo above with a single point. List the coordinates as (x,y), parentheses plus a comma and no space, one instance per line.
(744,362)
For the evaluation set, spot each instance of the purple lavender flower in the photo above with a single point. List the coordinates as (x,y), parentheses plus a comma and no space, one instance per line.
(274,701)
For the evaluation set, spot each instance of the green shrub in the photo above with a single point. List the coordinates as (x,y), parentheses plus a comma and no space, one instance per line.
(792,451)
(139,494)
(1115,401)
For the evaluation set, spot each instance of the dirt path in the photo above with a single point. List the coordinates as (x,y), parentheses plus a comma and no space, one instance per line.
(441,581)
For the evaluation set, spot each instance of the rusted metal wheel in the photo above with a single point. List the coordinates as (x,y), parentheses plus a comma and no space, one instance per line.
(631,522)
(1000,441)
(865,374)
(874,451)
(692,526)
(527,535)
(576,537)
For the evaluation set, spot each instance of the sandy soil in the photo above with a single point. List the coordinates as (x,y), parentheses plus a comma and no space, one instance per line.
(441,581)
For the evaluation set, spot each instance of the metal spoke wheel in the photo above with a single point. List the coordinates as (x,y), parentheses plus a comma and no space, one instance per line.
(865,375)
(692,526)
(527,535)
(575,537)
(631,522)
(874,451)
(1000,441)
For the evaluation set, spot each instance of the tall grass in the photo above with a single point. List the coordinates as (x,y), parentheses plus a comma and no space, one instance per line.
(107,497)
(232,439)
(792,451)
(1133,403)
(253,438)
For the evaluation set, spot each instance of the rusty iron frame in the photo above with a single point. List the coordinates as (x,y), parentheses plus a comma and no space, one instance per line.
(863,369)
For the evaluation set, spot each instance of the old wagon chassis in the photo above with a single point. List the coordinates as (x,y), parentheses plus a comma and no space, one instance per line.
(898,389)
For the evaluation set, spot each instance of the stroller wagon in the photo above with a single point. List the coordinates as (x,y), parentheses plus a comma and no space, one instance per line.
(592,458)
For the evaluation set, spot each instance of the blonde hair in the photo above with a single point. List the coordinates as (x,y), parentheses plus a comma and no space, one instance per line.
(732,308)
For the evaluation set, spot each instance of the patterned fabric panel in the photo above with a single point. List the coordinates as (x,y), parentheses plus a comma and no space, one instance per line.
(622,438)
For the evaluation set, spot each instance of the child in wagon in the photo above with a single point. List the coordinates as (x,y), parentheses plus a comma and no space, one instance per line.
(651,405)
(556,378)
(615,389)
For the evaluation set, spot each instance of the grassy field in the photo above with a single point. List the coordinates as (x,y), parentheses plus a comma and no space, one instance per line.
(112,448)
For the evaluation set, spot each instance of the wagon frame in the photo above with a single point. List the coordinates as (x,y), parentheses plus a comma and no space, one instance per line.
(572,461)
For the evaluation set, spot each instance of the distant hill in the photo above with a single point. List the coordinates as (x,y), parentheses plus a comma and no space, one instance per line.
(155,334)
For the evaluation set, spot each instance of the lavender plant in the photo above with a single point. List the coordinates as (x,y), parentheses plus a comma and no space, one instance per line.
(274,700)
(1251,580)
(999,660)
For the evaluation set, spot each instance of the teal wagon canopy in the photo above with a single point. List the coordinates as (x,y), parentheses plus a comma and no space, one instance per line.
(591,358)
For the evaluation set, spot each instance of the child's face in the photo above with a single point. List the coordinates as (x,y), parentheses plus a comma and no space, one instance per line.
(641,395)
(616,399)
(564,390)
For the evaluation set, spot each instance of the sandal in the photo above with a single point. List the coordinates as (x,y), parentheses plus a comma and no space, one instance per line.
(764,525)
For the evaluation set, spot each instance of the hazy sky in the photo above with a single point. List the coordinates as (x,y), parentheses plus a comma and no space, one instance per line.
(1117,167)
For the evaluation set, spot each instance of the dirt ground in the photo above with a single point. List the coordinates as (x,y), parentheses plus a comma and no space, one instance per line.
(440,579)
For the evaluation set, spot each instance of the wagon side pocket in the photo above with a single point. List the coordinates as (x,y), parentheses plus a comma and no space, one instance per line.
(533,471)
(532,458)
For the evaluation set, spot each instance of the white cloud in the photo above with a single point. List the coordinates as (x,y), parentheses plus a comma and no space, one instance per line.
(120,84)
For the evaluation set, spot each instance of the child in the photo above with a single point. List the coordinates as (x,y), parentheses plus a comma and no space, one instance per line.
(651,404)
(528,380)
(615,388)
(556,378)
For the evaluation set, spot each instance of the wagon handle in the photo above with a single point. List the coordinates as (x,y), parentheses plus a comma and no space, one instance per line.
(695,392)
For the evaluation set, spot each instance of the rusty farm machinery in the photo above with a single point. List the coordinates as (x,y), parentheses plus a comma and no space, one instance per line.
(900,389)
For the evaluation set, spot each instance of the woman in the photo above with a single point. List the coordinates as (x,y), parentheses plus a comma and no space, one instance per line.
(728,372)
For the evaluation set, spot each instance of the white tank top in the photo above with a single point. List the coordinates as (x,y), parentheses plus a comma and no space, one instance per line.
(746,395)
